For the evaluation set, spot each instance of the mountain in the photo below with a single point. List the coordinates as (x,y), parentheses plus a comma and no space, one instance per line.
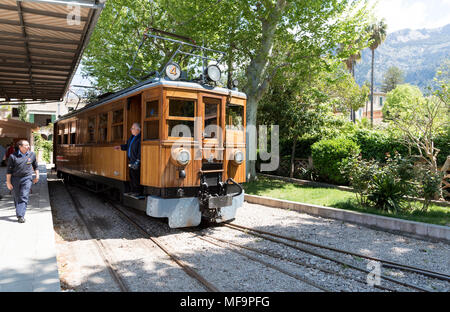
(418,53)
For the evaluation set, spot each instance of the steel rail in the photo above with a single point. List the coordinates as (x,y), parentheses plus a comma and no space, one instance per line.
(207,285)
(386,263)
(102,250)
(296,276)
(333,260)
(300,263)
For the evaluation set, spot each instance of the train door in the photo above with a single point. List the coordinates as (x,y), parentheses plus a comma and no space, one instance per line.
(133,115)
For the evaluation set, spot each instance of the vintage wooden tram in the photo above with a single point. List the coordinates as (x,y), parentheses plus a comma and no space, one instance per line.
(188,173)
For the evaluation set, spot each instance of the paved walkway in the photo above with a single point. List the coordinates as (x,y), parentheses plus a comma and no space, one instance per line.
(27,251)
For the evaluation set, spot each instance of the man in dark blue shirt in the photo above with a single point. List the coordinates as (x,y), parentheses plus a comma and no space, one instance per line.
(133,148)
(21,165)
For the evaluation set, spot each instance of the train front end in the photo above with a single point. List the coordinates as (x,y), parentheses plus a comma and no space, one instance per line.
(195,170)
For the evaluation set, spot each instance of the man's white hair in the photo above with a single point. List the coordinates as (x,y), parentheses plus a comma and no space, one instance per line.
(137,125)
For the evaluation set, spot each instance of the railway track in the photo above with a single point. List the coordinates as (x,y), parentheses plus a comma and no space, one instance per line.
(210,239)
(276,238)
(300,263)
(103,251)
(203,281)
(106,254)
(191,272)
(386,263)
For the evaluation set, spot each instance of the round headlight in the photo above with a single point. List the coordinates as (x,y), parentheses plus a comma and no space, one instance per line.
(213,73)
(238,157)
(183,157)
(180,157)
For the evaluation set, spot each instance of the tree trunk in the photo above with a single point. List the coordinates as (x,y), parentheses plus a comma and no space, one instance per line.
(257,79)
(371,89)
(291,174)
(250,138)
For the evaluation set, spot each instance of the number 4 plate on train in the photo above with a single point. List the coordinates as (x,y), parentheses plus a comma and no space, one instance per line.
(220,201)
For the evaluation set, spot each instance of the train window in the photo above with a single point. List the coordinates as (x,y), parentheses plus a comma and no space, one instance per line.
(103,127)
(151,130)
(235,117)
(118,116)
(117,125)
(60,133)
(91,129)
(181,108)
(212,113)
(181,128)
(65,137)
(151,109)
(73,134)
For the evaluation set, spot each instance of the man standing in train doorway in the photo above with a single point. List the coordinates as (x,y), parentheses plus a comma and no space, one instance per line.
(21,165)
(133,148)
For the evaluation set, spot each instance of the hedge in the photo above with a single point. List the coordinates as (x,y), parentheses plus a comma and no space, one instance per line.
(330,154)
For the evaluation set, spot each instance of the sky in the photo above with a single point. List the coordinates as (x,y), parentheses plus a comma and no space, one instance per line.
(413,14)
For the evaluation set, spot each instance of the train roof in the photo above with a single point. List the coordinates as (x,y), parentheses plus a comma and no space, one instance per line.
(152,83)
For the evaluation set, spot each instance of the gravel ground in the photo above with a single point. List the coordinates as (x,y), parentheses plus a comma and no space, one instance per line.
(351,237)
(145,267)
(142,265)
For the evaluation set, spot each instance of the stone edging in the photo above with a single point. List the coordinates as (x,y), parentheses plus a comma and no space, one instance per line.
(340,187)
(416,229)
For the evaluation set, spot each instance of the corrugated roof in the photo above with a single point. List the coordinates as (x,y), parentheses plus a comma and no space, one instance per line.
(40,47)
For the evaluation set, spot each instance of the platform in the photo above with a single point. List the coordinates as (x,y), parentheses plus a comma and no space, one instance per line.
(27,251)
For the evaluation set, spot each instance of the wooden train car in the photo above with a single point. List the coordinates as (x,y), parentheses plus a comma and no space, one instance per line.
(192,148)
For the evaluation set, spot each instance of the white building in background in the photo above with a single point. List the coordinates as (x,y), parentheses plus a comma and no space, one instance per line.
(379,99)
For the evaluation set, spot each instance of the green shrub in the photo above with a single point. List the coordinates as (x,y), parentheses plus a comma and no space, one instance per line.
(43,145)
(382,185)
(375,144)
(330,155)
(428,184)
(360,174)
(442,142)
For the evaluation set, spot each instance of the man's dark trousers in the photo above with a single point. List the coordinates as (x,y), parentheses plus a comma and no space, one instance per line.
(135,178)
(21,192)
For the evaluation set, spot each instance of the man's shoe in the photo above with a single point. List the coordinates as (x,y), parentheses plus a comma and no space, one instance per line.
(21,220)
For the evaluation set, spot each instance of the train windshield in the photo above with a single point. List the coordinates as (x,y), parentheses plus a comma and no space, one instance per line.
(235,117)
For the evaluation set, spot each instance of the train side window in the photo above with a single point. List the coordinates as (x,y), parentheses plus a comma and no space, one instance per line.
(91,129)
(73,133)
(59,134)
(180,122)
(117,125)
(103,127)
(181,108)
(66,134)
(151,130)
(235,117)
(151,109)
(151,120)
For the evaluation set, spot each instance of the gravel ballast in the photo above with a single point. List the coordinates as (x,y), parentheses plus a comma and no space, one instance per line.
(145,267)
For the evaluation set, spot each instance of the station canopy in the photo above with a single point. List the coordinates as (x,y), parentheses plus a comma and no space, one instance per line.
(41,44)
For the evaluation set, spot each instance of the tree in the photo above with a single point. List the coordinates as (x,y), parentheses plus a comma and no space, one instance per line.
(419,120)
(377,35)
(403,98)
(23,112)
(392,78)
(350,63)
(344,94)
(298,106)
(260,37)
